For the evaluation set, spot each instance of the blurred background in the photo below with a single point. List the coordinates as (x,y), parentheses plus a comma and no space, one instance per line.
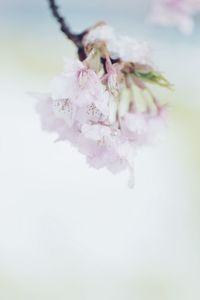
(68,232)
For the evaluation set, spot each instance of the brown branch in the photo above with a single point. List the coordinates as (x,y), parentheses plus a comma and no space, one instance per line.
(75,38)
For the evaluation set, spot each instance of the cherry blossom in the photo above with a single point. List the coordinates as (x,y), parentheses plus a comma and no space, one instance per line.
(179,13)
(119,47)
(94,104)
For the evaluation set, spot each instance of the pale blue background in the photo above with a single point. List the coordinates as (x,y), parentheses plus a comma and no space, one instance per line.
(68,232)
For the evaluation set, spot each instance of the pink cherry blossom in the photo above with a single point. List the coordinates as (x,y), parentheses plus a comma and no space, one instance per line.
(93,104)
(80,85)
(179,13)
(123,47)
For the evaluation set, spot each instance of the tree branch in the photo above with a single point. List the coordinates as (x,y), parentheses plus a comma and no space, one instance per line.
(75,38)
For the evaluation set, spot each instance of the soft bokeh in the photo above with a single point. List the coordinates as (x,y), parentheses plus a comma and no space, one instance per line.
(68,231)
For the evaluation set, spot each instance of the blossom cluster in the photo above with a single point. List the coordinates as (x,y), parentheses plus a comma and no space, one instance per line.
(179,13)
(103,105)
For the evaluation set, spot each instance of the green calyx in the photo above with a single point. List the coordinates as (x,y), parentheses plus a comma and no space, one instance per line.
(153,77)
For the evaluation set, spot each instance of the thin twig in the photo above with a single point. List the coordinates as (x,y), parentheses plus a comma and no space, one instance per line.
(75,38)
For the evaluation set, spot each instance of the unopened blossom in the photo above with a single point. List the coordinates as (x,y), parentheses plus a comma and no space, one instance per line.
(178,13)
(94,104)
